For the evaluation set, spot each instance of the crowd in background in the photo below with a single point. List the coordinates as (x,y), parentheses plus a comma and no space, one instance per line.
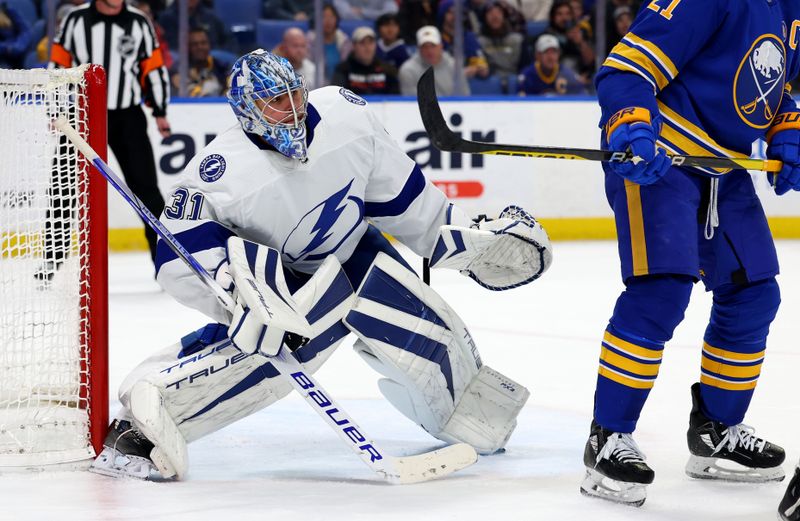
(517,47)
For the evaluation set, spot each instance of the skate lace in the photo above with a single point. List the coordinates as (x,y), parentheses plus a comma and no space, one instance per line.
(741,435)
(623,447)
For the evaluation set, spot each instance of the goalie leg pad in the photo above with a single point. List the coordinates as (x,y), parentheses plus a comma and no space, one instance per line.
(410,335)
(173,401)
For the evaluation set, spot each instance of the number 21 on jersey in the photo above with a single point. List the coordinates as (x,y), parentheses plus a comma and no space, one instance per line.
(666,12)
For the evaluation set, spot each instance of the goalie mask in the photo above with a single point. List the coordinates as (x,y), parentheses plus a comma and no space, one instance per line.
(269,100)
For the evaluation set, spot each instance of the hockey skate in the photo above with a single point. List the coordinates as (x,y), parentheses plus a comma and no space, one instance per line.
(615,468)
(789,509)
(732,453)
(126,452)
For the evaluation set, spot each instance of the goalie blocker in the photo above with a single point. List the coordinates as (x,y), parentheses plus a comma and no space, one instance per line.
(433,373)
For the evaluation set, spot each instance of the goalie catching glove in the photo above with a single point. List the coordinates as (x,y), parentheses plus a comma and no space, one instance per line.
(498,254)
(266,316)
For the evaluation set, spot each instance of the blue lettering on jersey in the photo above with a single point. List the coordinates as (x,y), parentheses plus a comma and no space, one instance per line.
(212,168)
(352,97)
(758,85)
(314,237)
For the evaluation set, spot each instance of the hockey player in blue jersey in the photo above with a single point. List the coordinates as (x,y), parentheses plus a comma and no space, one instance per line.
(700,77)
(310,181)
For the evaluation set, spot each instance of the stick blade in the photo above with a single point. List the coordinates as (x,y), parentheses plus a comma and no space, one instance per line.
(430,465)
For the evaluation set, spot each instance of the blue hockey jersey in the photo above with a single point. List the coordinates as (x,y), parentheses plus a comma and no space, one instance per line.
(716,71)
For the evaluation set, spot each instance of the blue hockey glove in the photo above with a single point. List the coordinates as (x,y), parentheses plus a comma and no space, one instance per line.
(784,145)
(631,129)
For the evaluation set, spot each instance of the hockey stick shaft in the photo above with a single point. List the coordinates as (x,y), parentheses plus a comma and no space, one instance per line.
(445,139)
(434,464)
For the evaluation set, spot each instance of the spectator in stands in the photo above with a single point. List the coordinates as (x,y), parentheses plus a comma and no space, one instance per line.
(535,10)
(430,53)
(623,17)
(391,48)
(547,75)
(611,19)
(414,14)
(199,16)
(336,44)
(145,7)
(299,10)
(362,71)
(475,60)
(501,46)
(582,19)
(207,76)
(476,11)
(294,47)
(364,9)
(577,50)
(15,37)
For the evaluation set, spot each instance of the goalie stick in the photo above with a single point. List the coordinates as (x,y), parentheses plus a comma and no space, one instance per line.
(445,139)
(397,470)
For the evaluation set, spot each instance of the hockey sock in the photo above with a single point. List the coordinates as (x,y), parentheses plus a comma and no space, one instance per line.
(645,316)
(734,347)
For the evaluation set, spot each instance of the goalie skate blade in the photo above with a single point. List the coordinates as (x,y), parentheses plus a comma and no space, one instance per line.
(725,470)
(430,465)
(599,486)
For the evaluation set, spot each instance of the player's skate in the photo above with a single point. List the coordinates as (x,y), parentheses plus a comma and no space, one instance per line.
(126,452)
(789,509)
(729,453)
(615,468)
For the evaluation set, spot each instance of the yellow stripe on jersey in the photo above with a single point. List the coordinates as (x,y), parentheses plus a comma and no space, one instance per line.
(627,364)
(732,356)
(698,134)
(626,67)
(631,349)
(642,60)
(726,384)
(636,223)
(655,52)
(625,379)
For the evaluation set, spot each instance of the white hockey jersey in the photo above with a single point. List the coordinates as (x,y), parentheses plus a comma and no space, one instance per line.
(355,172)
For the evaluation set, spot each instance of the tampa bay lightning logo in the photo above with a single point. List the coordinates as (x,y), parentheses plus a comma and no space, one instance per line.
(212,168)
(325,227)
(758,86)
(352,97)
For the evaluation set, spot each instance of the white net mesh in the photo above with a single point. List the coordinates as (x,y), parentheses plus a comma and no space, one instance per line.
(43,281)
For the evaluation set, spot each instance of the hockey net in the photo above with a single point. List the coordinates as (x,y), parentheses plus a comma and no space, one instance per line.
(53,275)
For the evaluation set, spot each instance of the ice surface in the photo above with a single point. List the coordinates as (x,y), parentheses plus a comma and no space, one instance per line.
(284,463)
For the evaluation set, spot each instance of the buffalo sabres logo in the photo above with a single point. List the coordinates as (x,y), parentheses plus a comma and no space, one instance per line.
(758,86)
(325,227)
(212,168)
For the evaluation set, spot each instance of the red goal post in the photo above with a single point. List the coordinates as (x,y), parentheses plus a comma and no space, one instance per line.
(53,270)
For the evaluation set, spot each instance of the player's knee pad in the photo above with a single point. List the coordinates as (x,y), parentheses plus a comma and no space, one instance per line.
(434,374)
(652,306)
(743,313)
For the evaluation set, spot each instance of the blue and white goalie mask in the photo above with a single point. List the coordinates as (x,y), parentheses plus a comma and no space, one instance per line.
(269,100)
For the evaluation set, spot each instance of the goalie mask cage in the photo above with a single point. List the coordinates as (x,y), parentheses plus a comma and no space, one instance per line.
(53,270)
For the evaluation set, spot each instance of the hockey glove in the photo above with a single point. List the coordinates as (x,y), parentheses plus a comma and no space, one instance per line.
(632,129)
(266,316)
(784,145)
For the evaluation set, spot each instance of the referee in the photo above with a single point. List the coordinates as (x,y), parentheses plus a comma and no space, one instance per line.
(122,40)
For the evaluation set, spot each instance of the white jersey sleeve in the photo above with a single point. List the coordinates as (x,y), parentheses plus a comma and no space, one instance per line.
(190,215)
(401,201)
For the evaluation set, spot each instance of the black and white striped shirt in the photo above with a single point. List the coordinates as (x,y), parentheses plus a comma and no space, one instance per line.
(125,45)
